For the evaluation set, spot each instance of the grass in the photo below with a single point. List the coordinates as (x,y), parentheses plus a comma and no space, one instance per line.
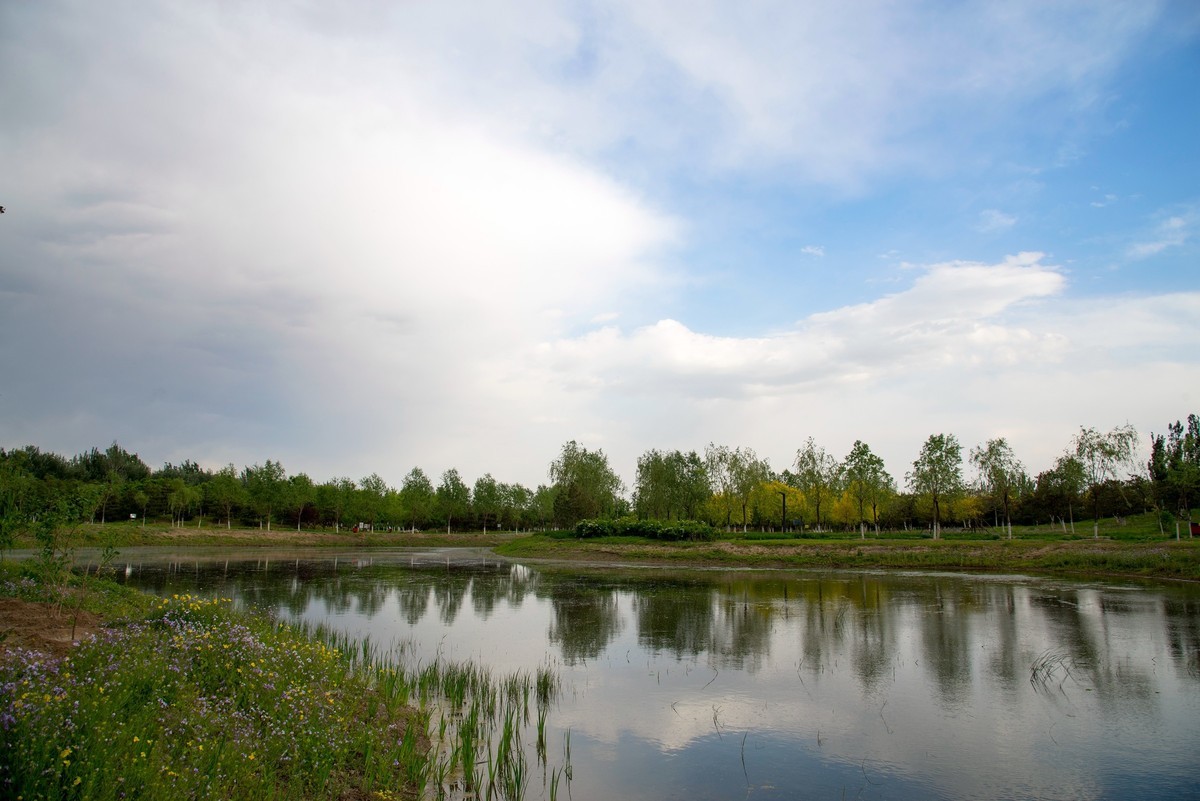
(127,534)
(1134,547)
(184,697)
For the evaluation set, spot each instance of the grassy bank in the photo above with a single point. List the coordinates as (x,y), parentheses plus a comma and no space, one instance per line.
(1138,549)
(185,697)
(125,534)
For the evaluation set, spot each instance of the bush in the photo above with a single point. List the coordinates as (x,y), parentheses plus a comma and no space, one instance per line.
(684,530)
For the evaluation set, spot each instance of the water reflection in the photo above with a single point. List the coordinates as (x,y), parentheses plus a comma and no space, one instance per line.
(779,685)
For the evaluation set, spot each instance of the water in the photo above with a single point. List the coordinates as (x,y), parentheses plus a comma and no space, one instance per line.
(737,684)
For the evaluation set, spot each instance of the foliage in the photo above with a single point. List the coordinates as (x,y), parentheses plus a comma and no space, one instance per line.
(265,486)
(1000,473)
(937,473)
(683,530)
(1101,456)
(817,476)
(734,474)
(585,484)
(453,497)
(867,481)
(670,484)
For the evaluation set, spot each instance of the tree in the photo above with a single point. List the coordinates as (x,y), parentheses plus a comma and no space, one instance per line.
(334,497)
(453,497)
(265,486)
(720,465)
(777,501)
(1000,473)
(300,493)
(866,479)
(817,476)
(937,473)
(1064,482)
(1183,464)
(416,493)
(585,485)
(670,484)
(488,498)
(224,492)
(654,485)
(542,505)
(1101,456)
(748,473)
(371,498)
(515,500)
(181,499)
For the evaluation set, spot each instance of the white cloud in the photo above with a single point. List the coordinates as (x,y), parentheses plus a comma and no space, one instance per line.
(370,236)
(992,220)
(973,349)
(1172,232)
(365,264)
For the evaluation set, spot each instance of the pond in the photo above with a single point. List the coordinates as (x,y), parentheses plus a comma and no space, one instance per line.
(718,684)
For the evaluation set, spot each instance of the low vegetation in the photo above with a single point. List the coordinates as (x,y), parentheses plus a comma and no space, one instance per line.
(185,697)
(1127,546)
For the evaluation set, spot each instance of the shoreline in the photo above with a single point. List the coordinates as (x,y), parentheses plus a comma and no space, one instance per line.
(1085,558)
(1157,559)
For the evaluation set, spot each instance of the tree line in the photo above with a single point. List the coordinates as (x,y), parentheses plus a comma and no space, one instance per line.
(728,487)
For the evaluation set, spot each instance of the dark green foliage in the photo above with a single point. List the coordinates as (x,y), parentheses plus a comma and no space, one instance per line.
(680,531)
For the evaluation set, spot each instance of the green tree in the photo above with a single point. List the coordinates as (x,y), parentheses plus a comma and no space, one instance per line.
(749,473)
(225,492)
(487,499)
(336,496)
(300,493)
(181,499)
(720,465)
(866,480)
(937,473)
(1101,456)
(16,485)
(1001,474)
(818,475)
(542,505)
(416,493)
(453,497)
(265,486)
(141,499)
(1183,464)
(515,500)
(371,496)
(586,487)
(1064,483)
(669,484)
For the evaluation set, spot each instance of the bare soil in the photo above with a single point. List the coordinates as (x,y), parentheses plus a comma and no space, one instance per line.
(43,627)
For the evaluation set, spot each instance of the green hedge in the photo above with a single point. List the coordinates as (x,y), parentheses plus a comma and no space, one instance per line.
(690,530)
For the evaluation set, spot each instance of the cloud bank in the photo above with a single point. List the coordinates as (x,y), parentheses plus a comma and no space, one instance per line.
(375,236)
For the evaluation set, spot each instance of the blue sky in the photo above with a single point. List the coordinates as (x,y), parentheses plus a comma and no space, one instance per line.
(443,235)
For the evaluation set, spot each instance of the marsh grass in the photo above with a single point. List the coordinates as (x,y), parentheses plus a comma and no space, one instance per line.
(1047,667)
(188,698)
(481,728)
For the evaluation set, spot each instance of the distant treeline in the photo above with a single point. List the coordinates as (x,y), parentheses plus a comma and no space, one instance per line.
(1096,476)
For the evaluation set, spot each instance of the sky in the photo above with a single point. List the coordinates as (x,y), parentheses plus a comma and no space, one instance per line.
(370,236)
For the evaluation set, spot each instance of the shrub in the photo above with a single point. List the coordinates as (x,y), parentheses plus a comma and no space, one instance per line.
(689,530)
